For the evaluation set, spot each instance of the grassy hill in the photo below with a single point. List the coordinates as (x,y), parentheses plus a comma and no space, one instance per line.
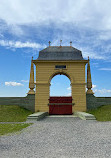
(102,113)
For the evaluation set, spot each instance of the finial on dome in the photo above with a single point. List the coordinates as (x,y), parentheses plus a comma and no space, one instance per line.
(49,43)
(60,43)
(88,57)
(70,43)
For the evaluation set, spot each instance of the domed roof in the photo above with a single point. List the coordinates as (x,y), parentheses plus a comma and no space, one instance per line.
(60,53)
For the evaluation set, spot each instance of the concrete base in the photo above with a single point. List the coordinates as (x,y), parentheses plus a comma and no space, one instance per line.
(31,91)
(61,116)
(40,115)
(85,116)
(89,91)
(37,116)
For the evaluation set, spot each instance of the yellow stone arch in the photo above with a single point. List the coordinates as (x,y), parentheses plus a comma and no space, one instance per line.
(61,73)
(48,64)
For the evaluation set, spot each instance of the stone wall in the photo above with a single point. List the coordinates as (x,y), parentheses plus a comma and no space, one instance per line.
(95,102)
(27,102)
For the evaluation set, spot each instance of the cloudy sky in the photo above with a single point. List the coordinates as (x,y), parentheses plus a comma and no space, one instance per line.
(26,26)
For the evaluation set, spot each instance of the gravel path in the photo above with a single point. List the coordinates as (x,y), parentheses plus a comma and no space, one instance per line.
(59,138)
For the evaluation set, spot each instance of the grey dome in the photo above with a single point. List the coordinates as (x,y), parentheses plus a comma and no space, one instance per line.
(60,53)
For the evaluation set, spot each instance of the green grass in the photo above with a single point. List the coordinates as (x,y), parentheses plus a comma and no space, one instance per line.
(102,113)
(10,128)
(13,113)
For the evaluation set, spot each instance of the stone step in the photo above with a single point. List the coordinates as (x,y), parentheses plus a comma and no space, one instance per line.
(85,116)
(37,116)
(62,116)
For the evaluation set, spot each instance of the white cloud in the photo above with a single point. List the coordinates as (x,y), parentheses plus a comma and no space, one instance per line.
(105,69)
(24,80)
(82,43)
(19,44)
(13,84)
(86,23)
(16,30)
(105,35)
(95,64)
(86,13)
(93,55)
(102,91)
(69,94)
(94,86)
(69,88)
(51,83)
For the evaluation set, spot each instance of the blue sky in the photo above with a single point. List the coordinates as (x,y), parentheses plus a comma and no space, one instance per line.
(27,26)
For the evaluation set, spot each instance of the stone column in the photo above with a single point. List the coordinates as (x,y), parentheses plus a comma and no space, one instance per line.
(89,81)
(79,97)
(31,81)
(42,96)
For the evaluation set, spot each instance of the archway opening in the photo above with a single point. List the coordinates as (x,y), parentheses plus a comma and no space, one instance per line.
(60,86)
(60,100)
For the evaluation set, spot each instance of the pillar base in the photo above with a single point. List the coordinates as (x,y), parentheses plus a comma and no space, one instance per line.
(89,91)
(31,91)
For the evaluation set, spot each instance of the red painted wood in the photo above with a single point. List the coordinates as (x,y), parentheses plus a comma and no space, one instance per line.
(60,109)
(60,100)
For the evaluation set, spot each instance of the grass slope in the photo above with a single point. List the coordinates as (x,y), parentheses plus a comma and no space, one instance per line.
(9,128)
(13,113)
(102,113)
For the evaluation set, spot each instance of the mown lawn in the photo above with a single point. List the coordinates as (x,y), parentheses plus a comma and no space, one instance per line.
(10,128)
(13,113)
(102,113)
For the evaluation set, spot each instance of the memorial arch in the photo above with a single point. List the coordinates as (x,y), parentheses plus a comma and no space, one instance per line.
(54,60)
